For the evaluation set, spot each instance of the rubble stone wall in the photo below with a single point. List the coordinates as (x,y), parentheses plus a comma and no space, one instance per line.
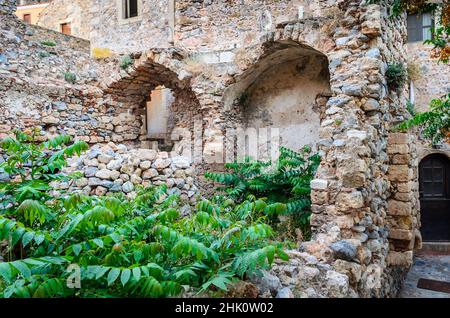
(365,206)
(115,168)
(8,6)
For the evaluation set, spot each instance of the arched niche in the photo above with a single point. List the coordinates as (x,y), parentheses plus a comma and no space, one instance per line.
(286,89)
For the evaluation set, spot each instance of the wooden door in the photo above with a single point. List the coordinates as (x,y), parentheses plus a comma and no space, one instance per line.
(434,186)
(27,18)
(66,29)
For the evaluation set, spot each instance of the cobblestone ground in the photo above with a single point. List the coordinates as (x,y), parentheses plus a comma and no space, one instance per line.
(429,266)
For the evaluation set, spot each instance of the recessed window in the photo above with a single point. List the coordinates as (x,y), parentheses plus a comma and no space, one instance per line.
(66,28)
(420,26)
(27,18)
(130,9)
(158,109)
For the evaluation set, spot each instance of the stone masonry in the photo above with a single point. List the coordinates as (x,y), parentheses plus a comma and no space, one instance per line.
(213,55)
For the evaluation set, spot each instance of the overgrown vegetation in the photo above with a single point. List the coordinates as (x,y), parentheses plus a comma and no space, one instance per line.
(435,123)
(126,62)
(137,247)
(70,77)
(285,184)
(396,75)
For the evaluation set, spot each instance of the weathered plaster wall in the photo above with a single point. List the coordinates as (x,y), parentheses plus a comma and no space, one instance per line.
(75,12)
(284,97)
(430,77)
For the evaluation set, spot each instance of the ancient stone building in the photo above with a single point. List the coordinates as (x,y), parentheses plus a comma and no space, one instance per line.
(69,17)
(289,72)
(29,10)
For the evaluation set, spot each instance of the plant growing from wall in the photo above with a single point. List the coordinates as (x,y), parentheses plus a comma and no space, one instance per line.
(44,54)
(410,108)
(123,247)
(286,184)
(396,75)
(48,43)
(126,62)
(70,77)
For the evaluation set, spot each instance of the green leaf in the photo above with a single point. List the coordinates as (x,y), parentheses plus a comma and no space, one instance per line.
(77,249)
(112,276)
(125,277)
(22,268)
(136,273)
(98,242)
(5,271)
(27,237)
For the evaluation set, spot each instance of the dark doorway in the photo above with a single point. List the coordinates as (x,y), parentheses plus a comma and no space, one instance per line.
(434,178)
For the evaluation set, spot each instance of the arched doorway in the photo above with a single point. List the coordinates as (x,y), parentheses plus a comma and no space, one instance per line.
(434,187)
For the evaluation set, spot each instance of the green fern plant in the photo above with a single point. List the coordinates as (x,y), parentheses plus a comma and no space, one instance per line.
(123,247)
(285,184)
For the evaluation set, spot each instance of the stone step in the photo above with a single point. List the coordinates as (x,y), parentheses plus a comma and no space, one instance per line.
(435,248)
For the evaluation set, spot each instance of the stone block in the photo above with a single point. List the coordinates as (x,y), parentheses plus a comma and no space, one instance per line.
(397,149)
(404,259)
(399,208)
(349,200)
(319,184)
(400,173)
(399,234)
(398,138)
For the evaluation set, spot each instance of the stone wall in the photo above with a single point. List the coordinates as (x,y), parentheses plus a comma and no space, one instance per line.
(115,168)
(75,12)
(8,6)
(365,207)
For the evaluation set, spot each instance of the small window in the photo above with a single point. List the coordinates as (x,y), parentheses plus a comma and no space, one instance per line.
(419,27)
(27,18)
(66,28)
(130,9)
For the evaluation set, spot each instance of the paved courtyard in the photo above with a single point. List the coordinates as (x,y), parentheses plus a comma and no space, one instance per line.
(431,266)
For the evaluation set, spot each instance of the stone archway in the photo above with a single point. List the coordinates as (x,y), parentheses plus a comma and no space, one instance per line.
(130,91)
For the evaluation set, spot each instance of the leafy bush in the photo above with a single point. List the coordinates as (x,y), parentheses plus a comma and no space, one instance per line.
(396,75)
(137,247)
(32,166)
(286,184)
(435,123)
(126,62)
(70,77)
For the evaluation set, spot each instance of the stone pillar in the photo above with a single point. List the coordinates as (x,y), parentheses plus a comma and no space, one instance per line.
(403,205)
(8,6)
